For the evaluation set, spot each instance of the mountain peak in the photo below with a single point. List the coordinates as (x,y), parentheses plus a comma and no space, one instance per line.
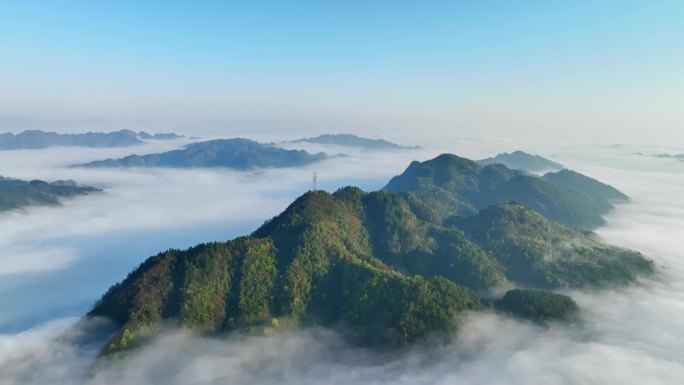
(461,186)
(363,263)
(520,160)
(351,140)
(237,153)
(383,267)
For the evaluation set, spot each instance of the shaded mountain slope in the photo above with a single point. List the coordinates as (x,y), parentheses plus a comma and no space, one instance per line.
(35,139)
(519,160)
(582,184)
(242,154)
(463,187)
(537,305)
(382,267)
(538,252)
(15,193)
(350,140)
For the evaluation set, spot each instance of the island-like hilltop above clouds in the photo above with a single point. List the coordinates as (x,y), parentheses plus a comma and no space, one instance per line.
(387,267)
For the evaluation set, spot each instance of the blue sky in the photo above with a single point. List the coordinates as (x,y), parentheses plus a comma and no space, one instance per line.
(491,66)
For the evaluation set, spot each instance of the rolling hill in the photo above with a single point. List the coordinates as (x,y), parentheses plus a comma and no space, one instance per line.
(519,160)
(241,154)
(384,268)
(15,193)
(461,186)
(36,139)
(350,140)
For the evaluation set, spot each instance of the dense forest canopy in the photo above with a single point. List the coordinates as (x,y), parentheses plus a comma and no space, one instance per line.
(383,267)
(15,193)
(461,186)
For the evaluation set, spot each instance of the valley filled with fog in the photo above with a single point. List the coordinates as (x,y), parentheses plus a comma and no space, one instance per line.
(55,262)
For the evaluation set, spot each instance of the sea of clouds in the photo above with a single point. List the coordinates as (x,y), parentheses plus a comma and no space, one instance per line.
(56,261)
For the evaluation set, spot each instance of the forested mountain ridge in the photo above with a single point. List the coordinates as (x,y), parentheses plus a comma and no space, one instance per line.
(463,187)
(36,139)
(585,185)
(383,267)
(15,193)
(238,153)
(350,140)
(519,160)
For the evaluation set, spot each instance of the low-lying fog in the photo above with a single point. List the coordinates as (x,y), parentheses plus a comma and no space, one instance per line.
(56,261)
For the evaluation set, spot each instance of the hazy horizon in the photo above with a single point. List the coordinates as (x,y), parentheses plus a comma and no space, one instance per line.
(525,69)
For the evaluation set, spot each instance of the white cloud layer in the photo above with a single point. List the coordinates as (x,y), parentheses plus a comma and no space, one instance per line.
(91,242)
(628,335)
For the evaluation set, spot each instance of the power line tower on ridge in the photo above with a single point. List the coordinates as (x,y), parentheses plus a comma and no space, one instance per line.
(315,181)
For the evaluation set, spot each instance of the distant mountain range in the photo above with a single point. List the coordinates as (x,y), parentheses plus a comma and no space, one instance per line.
(519,160)
(350,140)
(386,267)
(679,157)
(241,154)
(673,156)
(35,139)
(15,193)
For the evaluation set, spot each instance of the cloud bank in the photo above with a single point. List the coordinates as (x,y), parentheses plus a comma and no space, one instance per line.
(629,335)
(89,243)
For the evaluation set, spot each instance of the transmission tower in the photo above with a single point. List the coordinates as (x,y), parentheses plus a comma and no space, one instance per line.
(315,181)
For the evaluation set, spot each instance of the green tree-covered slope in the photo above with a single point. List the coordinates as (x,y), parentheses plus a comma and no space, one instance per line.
(585,185)
(537,252)
(537,305)
(15,193)
(463,187)
(385,268)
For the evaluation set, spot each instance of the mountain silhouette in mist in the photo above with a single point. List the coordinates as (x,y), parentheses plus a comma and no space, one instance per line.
(241,154)
(350,140)
(519,160)
(36,139)
(15,193)
(463,187)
